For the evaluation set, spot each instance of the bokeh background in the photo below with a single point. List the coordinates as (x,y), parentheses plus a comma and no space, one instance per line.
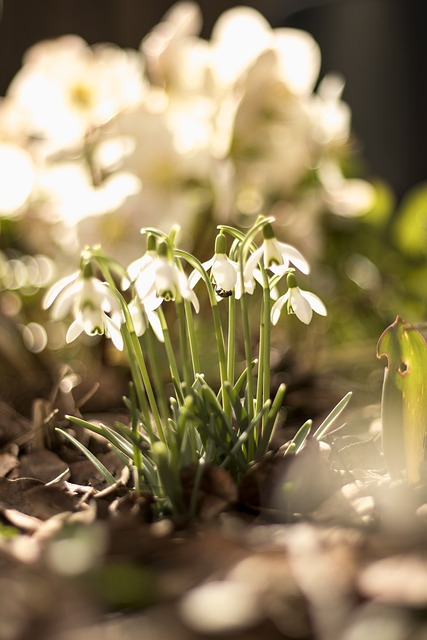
(373,268)
(378,45)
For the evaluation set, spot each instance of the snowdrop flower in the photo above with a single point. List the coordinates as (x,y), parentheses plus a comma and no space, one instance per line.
(65,88)
(144,313)
(163,278)
(301,303)
(136,268)
(224,271)
(94,306)
(276,256)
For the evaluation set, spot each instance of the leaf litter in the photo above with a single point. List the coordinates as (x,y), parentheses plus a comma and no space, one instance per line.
(318,545)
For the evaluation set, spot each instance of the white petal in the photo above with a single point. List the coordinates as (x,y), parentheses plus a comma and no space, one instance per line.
(137,266)
(92,320)
(294,256)
(101,295)
(191,296)
(66,299)
(252,263)
(156,325)
(152,302)
(301,306)
(277,307)
(114,333)
(74,330)
(168,278)
(135,310)
(56,289)
(315,302)
(273,254)
(145,283)
(195,275)
(224,273)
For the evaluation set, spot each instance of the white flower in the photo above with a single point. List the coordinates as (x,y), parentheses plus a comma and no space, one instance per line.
(95,308)
(144,313)
(224,271)
(136,268)
(66,87)
(164,279)
(300,302)
(276,256)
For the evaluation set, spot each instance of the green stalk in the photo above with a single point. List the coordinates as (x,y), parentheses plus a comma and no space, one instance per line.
(194,353)
(231,340)
(134,350)
(219,335)
(263,390)
(154,368)
(175,375)
(147,383)
(185,352)
(137,381)
(137,456)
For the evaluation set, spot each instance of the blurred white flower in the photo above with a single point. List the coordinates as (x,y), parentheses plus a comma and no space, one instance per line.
(68,194)
(331,116)
(348,197)
(17,178)
(110,139)
(95,308)
(66,88)
(144,313)
(163,278)
(168,48)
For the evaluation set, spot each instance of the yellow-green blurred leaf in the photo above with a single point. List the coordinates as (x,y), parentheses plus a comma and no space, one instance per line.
(410,229)
(383,206)
(404,399)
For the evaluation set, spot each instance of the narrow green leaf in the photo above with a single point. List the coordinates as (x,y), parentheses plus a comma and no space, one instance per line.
(108,477)
(271,422)
(299,438)
(117,441)
(328,422)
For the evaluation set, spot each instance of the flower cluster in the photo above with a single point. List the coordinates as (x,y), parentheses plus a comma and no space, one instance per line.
(157,276)
(104,138)
(230,423)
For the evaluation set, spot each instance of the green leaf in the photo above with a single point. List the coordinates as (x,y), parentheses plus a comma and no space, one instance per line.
(108,477)
(410,229)
(299,438)
(270,423)
(117,441)
(328,422)
(404,399)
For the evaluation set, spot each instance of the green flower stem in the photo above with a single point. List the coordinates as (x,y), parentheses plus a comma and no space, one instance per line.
(263,389)
(134,351)
(219,335)
(147,383)
(243,251)
(137,455)
(184,348)
(194,352)
(162,401)
(248,352)
(231,340)
(137,381)
(175,375)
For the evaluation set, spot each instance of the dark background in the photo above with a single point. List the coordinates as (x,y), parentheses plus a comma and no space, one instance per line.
(380,46)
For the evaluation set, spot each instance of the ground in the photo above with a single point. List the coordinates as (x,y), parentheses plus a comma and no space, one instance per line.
(323,545)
